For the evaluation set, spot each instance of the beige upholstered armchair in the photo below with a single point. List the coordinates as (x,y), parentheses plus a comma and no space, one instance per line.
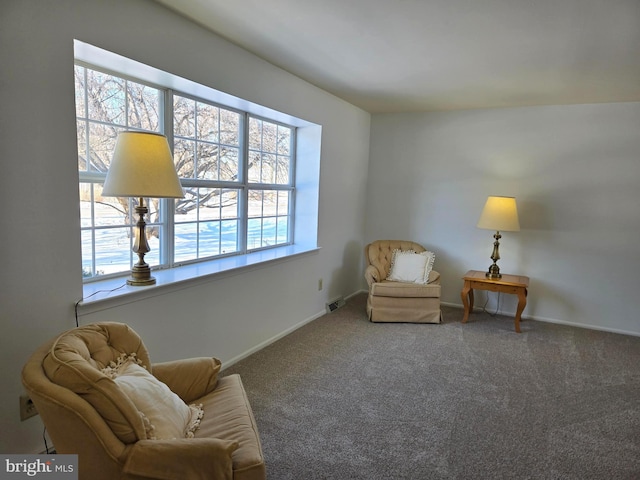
(101,398)
(396,299)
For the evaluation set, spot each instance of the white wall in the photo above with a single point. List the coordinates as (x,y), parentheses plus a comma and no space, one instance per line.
(40,277)
(575,172)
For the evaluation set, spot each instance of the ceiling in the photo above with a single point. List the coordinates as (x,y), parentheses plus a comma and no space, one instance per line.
(432,55)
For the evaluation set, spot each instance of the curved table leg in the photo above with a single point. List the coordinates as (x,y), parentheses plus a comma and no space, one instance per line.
(467,300)
(522,302)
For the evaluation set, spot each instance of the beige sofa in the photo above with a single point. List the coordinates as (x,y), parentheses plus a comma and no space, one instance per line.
(89,413)
(396,301)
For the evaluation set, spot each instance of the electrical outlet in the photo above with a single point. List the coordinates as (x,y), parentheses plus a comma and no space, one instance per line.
(27,408)
(319,284)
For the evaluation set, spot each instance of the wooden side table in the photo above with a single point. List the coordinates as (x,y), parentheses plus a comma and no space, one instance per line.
(514,284)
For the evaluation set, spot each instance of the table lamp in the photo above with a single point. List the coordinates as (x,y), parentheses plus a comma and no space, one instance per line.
(499,214)
(142,166)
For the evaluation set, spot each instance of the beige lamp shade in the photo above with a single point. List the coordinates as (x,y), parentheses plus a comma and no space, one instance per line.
(500,214)
(142,166)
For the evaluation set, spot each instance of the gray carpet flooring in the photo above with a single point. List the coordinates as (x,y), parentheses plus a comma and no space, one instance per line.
(343,398)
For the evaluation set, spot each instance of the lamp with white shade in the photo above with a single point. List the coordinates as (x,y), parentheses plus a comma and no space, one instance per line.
(142,167)
(499,214)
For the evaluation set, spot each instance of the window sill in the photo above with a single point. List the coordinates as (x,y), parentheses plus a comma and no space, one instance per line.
(112,292)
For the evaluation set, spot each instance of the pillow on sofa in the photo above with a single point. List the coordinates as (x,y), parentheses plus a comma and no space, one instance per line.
(409,266)
(166,415)
(75,362)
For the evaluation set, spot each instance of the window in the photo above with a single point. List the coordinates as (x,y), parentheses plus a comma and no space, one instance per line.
(106,105)
(237,171)
(207,155)
(269,181)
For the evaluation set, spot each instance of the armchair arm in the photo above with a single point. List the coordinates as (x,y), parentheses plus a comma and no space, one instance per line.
(184,458)
(371,274)
(190,378)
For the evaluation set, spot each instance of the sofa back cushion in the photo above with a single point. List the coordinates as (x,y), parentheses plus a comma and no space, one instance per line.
(75,362)
(380,253)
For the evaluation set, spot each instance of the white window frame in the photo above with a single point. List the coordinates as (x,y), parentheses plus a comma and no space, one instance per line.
(304,205)
(94,178)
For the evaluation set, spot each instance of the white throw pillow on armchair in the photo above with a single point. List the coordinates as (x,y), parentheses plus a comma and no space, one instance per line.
(165,415)
(409,266)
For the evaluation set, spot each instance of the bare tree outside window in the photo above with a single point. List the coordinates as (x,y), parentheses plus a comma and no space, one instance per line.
(237,197)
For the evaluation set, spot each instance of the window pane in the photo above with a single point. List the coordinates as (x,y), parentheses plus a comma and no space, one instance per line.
(229,205)
(268,232)
(143,106)
(79,85)
(282,170)
(102,143)
(255,133)
(186,242)
(254,233)
(199,233)
(184,114)
(229,236)
(87,253)
(229,127)
(269,137)
(112,211)
(81,128)
(209,204)
(152,218)
(184,158)
(268,218)
(186,208)
(255,166)
(207,161)
(86,205)
(201,204)
(153,256)
(283,203)
(284,140)
(282,230)
(209,239)
(255,203)
(113,250)
(208,123)
(207,151)
(268,172)
(106,97)
(229,164)
(270,201)
(269,152)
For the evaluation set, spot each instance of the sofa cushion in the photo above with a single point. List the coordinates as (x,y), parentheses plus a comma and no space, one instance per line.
(168,416)
(228,415)
(380,252)
(75,362)
(189,378)
(409,266)
(404,289)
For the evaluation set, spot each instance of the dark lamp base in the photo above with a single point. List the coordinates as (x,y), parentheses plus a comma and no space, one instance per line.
(494,271)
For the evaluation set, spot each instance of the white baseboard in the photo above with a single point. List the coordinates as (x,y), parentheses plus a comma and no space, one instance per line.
(553,320)
(269,341)
(286,332)
(277,337)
